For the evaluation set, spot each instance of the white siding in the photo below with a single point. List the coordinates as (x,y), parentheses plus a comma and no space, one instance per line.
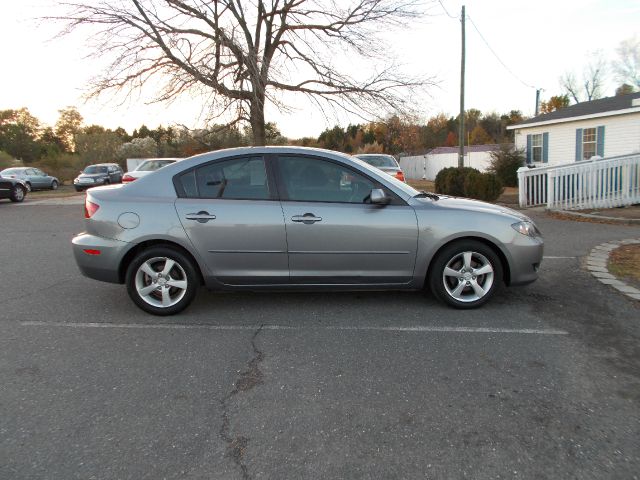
(428,166)
(621,137)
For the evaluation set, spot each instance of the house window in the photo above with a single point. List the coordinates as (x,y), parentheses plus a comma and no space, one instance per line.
(589,143)
(536,147)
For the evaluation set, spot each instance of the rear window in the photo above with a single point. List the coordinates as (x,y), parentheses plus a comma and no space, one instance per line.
(379,160)
(11,171)
(151,165)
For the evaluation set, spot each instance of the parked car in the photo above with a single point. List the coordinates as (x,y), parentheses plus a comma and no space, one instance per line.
(284,217)
(34,178)
(14,189)
(96,175)
(386,163)
(146,167)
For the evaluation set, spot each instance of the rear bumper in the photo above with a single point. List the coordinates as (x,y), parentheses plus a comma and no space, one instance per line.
(102,261)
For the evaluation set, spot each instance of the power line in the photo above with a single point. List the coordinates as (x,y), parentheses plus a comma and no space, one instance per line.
(496,55)
(445,10)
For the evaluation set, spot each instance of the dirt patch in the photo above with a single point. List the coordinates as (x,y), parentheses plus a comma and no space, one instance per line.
(426,185)
(624,263)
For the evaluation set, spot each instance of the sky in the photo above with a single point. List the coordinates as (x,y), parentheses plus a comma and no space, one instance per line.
(535,42)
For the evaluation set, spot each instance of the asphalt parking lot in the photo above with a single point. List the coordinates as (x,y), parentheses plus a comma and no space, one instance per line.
(544,382)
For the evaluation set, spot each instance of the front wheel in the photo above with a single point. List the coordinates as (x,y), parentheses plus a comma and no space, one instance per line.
(54,185)
(17,194)
(162,281)
(465,274)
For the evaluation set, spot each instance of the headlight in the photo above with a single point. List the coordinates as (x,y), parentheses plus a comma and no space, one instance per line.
(526,228)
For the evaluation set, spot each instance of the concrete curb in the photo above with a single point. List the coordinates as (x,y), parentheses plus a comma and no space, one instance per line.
(624,221)
(597,265)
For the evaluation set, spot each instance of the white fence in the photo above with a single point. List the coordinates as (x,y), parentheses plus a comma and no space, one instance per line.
(602,183)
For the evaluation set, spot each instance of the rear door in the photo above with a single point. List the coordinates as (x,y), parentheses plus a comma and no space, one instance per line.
(230,211)
(333,235)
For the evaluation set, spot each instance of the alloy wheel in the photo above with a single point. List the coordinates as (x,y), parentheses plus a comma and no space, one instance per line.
(161,282)
(468,276)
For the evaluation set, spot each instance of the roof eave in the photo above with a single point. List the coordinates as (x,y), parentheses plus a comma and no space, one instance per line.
(575,119)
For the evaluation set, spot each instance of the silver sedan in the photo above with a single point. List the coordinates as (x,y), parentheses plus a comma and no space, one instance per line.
(292,218)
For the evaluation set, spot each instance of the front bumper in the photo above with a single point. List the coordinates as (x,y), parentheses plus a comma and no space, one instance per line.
(526,256)
(99,258)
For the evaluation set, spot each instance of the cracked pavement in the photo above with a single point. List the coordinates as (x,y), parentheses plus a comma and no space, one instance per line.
(272,385)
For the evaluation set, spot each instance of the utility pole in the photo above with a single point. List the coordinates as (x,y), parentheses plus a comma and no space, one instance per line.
(537,102)
(461,134)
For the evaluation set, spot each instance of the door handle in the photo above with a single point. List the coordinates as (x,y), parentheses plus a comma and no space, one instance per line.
(307,218)
(200,217)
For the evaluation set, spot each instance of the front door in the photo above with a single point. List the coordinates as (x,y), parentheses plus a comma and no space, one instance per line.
(334,236)
(232,217)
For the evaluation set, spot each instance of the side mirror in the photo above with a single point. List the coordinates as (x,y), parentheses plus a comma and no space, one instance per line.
(379,197)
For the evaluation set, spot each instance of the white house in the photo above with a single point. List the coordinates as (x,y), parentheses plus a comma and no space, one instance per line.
(606,127)
(428,165)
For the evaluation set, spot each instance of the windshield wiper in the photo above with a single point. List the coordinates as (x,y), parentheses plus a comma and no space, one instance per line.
(430,195)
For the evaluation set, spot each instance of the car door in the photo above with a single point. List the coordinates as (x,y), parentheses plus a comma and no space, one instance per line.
(230,212)
(333,235)
(40,180)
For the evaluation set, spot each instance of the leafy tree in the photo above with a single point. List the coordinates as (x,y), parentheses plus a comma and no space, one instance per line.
(96,146)
(627,66)
(479,136)
(19,134)
(68,125)
(138,148)
(240,55)
(452,140)
(554,103)
(505,163)
(624,89)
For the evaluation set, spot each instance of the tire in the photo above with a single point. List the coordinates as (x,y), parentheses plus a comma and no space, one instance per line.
(78,189)
(106,182)
(28,187)
(54,185)
(140,283)
(460,268)
(17,194)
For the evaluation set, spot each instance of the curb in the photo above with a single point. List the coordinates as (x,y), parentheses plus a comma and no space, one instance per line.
(597,266)
(624,221)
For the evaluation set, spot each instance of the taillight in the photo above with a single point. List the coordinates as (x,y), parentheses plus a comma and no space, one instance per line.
(399,175)
(127,178)
(90,208)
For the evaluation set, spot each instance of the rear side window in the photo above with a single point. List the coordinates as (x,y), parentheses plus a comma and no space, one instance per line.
(240,179)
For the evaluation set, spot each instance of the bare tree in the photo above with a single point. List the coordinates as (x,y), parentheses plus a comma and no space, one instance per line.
(590,86)
(240,54)
(627,66)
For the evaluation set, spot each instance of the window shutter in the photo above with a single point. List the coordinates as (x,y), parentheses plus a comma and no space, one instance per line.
(600,140)
(545,147)
(578,144)
(529,153)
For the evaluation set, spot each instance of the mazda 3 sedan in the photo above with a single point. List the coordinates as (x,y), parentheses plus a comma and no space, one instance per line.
(297,218)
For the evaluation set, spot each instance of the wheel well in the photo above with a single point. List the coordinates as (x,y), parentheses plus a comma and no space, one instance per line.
(491,245)
(126,260)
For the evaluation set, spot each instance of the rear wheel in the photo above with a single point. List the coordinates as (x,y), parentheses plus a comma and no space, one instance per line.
(465,274)
(162,281)
(18,193)
(28,187)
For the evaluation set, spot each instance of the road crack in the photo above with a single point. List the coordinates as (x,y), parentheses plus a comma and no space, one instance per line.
(251,377)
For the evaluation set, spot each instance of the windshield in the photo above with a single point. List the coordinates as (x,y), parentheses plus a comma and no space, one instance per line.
(151,165)
(95,169)
(379,160)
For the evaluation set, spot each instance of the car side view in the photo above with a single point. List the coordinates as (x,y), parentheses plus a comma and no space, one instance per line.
(297,218)
(33,178)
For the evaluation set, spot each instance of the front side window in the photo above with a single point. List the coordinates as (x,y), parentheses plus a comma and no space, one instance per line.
(589,143)
(313,180)
(240,179)
(536,147)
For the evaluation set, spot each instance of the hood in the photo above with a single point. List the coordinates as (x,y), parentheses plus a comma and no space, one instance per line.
(459,203)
